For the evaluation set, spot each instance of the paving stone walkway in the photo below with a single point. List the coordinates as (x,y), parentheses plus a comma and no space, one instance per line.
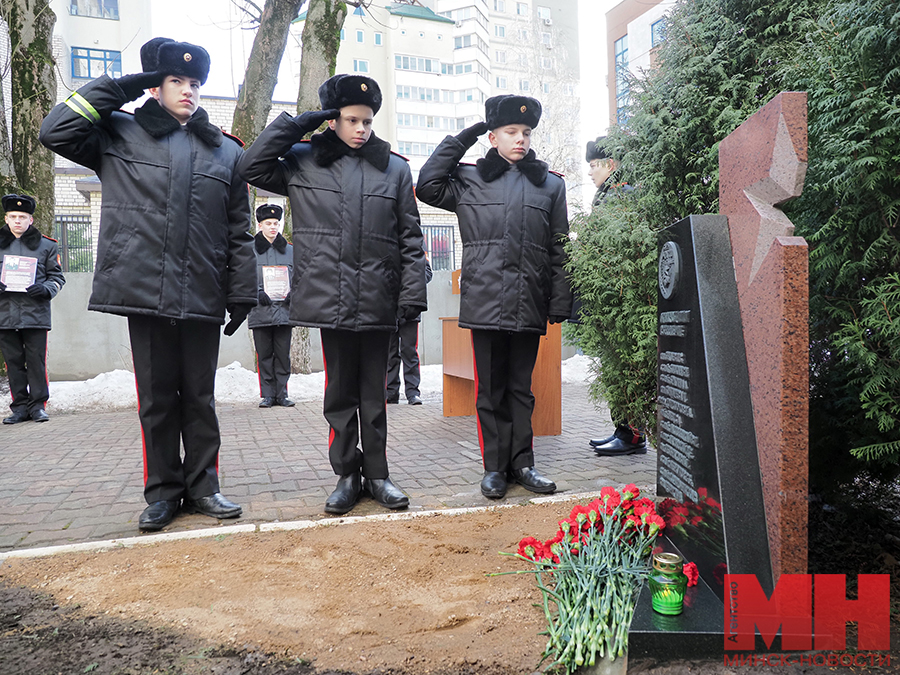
(79,477)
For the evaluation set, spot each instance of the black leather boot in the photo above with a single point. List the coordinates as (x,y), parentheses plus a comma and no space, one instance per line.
(531,480)
(345,495)
(493,484)
(383,491)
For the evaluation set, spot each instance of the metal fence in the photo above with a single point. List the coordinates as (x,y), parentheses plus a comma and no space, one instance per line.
(440,246)
(76,248)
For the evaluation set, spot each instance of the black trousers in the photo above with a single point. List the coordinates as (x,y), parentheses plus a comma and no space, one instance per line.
(25,353)
(404,347)
(175,371)
(273,360)
(504,362)
(355,366)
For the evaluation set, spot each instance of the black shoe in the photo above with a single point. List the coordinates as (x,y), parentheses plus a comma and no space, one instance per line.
(493,484)
(530,479)
(383,491)
(284,402)
(415,400)
(16,417)
(619,447)
(392,400)
(214,506)
(345,495)
(267,402)
(40,415)
(623,432)
(158,515)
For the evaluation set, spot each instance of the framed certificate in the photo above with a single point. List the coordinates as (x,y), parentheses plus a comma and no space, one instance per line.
(276,281)
(18,272)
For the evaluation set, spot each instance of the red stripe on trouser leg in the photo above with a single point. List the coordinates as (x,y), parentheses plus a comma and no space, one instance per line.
(325,365)
(477,418)
(137,392)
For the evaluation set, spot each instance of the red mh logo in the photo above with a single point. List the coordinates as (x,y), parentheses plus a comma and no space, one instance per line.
(791,609)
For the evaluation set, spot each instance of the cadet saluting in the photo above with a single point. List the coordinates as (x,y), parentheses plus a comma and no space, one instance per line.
(174,251)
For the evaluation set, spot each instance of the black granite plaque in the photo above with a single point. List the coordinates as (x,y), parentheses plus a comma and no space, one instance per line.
(707,461)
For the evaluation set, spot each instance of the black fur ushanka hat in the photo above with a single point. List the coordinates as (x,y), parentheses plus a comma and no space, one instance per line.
(343,90)
(511,109)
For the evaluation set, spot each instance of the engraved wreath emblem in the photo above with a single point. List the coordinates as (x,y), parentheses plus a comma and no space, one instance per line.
(669,269)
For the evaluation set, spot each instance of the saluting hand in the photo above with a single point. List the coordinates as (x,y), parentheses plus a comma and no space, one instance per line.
(311,120)
(133,86)
(469,135)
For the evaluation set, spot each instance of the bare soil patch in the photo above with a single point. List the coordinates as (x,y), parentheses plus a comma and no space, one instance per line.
(352,597)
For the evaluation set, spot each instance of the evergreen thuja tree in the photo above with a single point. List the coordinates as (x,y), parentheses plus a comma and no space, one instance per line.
(848,61)
(711,73)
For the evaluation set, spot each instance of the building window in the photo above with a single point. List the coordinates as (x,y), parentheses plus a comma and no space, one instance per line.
(461,41)
(359,11)
(417,63)
(501,82)
(546,88)
(543,13)
(76,250)
(621,53)
(360,66)
(546,62)
(524,85)
(657,32)
(92,63)
(499,31)
(421,34)
(360,37)
(343,35)
(379,39)
(500,56)
(99,9)
(523,35)
(523,60)
(521,9)
(569,89)
(545,39)
(499,5)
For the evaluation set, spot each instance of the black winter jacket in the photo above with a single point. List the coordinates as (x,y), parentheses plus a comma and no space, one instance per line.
(175,220)
(357,242)
(20,310)
(279,252)
(513,223)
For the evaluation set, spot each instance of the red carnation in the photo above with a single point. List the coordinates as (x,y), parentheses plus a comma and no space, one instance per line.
(690,571)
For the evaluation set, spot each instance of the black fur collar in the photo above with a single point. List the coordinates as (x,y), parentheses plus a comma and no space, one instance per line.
(158,123)
(492,166)
(31,238)
(262,244)
(328,148)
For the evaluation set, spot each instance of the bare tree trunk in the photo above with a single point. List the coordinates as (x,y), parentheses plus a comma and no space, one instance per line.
(255,99)
(33,77)
(321,40)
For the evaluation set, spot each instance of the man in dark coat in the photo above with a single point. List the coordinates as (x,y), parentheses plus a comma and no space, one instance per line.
(626,439)
(359,266)
(25,307)
(512,219)
(175,251)
(404,348)
(270,320)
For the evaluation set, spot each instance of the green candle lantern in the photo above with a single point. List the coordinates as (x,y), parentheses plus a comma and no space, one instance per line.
(667,583)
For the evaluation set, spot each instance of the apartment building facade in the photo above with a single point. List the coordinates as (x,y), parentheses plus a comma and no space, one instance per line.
(437,61)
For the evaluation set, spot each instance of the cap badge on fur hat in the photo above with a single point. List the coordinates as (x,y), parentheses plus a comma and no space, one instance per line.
(188,57)
(364,87)
(523,109)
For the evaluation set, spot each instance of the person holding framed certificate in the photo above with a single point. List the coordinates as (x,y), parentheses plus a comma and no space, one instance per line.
(30,277)
(270,320)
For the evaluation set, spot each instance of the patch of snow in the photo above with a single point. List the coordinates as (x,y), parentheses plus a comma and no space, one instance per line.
(236,385)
